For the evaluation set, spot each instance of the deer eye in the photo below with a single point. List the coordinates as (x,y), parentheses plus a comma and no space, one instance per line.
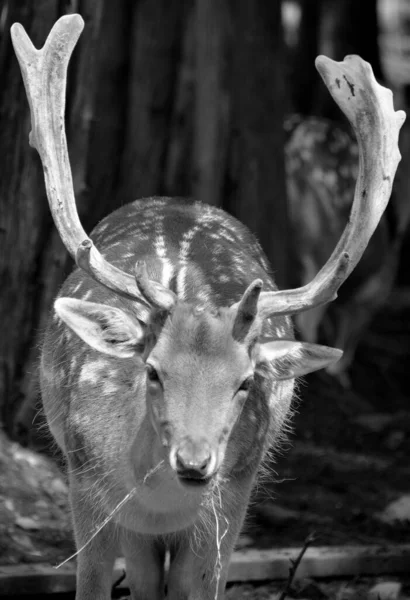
(246,384)
(152,374)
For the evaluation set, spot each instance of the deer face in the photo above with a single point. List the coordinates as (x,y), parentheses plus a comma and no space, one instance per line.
(200,370)
(198,379)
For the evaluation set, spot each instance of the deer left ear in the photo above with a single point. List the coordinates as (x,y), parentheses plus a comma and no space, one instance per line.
(291,359)
(104,328)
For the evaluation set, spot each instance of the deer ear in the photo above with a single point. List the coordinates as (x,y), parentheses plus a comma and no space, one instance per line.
(291,359)
(104,328)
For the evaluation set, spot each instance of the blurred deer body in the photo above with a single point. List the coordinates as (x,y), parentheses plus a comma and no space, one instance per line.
(166,370)
(322,169)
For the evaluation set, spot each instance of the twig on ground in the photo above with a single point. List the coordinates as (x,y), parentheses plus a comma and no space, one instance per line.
(295,564)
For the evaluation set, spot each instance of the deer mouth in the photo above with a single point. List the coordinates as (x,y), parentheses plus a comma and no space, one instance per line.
(192,481)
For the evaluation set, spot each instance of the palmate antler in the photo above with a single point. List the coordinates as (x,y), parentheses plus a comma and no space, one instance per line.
(45,74)
(369,108)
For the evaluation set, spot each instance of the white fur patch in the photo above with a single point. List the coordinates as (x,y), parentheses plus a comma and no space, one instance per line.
(185,248)
(77,287)
(280,331)
(91,371)
(161,252)
(181,282)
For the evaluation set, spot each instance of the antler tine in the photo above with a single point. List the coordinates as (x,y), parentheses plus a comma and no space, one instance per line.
(45,74)
(369,108)
(155,293)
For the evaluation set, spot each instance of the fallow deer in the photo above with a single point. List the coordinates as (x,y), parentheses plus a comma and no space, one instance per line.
(167,371)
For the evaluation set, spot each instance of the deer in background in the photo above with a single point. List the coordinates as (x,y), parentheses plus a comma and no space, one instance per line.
(321,166)
(169,363)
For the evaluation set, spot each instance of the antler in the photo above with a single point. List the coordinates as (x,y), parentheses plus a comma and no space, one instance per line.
(155,293)
(45,74)
(369,108)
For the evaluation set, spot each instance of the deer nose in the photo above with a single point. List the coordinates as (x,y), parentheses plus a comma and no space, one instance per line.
(193,461)
(192,468)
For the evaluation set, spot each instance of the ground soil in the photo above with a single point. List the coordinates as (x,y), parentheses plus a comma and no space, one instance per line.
(347,461)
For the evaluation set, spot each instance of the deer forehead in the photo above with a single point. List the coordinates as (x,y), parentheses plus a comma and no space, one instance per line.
(200,337)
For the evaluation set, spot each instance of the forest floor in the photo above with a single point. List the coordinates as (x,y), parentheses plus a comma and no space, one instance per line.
(345,476)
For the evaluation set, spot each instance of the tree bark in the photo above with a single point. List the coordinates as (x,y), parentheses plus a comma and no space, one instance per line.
(256,186)
(179,162)
(211,101)
(155,50)
(304,77)
(24,216)
(109,118)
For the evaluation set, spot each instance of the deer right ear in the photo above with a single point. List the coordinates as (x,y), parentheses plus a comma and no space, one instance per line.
(105,328)
(291,359)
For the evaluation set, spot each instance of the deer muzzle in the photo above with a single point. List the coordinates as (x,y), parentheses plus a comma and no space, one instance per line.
(193,461)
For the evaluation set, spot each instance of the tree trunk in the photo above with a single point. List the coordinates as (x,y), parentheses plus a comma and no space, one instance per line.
(211,101)
(109,118)
(304,77)
(24,218)
(155,50)
(257,194)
